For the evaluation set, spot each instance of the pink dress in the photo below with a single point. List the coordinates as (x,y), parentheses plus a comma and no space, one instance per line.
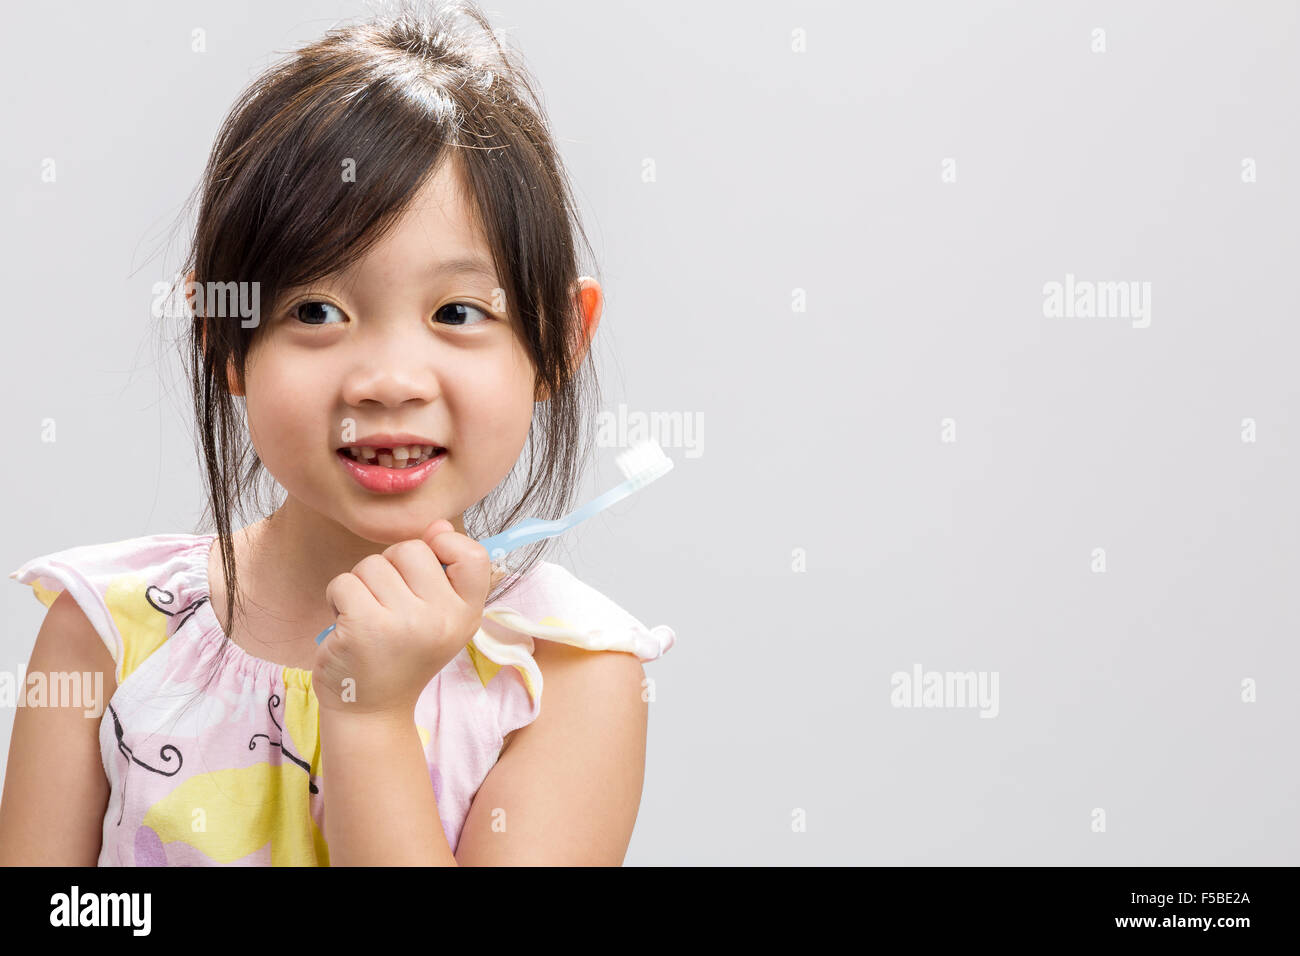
(230,773)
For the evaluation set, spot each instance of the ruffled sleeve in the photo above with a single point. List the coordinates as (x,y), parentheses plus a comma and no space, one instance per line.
(552,604)
(121,587)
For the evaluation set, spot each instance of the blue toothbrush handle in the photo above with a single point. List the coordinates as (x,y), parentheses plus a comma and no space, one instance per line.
(524,533)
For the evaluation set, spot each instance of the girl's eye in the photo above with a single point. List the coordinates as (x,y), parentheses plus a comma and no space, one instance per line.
(314,313)
(455,313)
(318,313)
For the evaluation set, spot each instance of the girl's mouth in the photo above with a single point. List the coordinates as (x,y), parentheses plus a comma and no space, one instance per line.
(391,470)
(398,456)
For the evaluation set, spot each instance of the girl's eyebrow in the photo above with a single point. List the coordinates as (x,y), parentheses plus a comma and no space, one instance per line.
(461,265)
(464,265)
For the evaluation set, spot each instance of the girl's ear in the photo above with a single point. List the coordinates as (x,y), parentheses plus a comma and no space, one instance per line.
(232,380)
(591,303)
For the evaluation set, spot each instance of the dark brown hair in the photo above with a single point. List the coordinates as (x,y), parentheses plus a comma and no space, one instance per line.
(400,94)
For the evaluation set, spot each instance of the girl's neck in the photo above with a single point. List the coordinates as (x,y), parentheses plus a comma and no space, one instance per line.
(302,551)
(284,563)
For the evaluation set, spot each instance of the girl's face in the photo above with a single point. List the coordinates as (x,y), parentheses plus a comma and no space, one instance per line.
(409,340)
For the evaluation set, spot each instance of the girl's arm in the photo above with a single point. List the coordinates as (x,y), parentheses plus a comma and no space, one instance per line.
(566,789)
(380,808)
(55,790)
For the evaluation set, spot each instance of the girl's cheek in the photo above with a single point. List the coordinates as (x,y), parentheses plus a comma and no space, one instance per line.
(277,412)
(498,411)
(515,391)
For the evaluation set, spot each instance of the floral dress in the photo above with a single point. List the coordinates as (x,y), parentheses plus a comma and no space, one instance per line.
(229,772)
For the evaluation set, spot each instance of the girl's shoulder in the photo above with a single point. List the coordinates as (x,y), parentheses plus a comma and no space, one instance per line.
(551,603)
(122,586)
(555,604)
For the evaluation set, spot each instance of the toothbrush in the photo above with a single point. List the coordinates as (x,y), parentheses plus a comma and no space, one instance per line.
(640,465)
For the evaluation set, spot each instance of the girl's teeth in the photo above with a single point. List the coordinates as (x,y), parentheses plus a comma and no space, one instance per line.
(403,456)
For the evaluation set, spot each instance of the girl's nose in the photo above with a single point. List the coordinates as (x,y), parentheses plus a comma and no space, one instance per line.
(392,379)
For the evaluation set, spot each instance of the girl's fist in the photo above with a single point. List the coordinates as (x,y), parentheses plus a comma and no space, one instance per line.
(399,619)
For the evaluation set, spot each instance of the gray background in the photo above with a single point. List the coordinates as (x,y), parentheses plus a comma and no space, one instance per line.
(818,171)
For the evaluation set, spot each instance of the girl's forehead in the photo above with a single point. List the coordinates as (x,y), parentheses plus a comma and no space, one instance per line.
(439,235)
(444,195)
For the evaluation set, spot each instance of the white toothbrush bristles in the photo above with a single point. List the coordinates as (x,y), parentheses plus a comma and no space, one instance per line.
(644,462)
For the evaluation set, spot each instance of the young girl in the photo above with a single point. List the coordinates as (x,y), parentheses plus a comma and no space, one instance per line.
(392,198)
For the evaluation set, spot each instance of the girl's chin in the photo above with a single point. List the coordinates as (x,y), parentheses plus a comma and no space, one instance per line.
(378,519)
(391,531)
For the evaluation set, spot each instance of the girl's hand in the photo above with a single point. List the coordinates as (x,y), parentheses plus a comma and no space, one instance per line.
(400,618)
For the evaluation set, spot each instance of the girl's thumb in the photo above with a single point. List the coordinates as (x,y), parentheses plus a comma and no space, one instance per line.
(441,526)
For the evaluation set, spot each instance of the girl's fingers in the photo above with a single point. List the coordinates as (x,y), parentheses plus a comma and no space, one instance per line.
(441,526)
(420,569)
(383,580)
(468,566)
(349,597)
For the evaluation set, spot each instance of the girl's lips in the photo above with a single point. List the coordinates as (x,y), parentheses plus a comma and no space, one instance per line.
(389,481)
